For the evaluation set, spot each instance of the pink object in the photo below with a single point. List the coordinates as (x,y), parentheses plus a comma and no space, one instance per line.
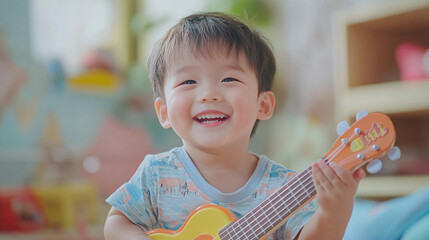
(115,154)
(100,59)
(426,62)
(409,57)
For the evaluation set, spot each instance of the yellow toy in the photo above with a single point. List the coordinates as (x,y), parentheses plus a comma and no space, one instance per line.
(67,205)
(96,80)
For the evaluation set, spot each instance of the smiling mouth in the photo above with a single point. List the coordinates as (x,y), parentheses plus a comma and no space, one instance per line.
(210,118)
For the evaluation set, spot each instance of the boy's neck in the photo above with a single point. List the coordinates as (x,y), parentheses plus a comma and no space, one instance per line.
(226,169)
(227,157)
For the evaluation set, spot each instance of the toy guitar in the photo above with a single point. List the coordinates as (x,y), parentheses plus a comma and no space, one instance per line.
(372,136)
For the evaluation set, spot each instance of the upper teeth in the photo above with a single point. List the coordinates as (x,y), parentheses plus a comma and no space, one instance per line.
(210,116)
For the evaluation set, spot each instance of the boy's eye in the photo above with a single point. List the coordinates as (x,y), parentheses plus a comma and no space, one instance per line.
(229,80)
(188,82)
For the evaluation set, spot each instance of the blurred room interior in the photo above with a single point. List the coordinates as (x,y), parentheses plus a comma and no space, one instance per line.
(77,116)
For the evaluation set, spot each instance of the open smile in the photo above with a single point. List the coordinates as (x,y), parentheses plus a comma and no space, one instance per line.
(211,119)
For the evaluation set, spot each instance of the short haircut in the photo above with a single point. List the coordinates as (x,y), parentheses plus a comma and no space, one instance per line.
(199,33)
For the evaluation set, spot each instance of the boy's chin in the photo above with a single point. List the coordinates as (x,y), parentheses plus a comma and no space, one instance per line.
(210,144)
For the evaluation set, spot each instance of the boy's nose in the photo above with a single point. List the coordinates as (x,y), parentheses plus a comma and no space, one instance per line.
(213,99)
(210,96)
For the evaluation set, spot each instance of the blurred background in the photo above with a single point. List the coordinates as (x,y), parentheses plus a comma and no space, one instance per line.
(76,106)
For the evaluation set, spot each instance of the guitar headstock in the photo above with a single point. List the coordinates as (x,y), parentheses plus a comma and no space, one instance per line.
(370,137)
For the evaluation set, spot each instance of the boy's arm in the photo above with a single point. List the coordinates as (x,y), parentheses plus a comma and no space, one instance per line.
(323,226)
(336,188)
(118,226)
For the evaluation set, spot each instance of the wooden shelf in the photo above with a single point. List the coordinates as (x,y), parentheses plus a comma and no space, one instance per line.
(366,72)
(389,97)
(367,78)
(395,15)
(391,186)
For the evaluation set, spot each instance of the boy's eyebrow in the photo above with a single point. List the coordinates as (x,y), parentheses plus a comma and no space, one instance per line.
(234,66)
(187,68)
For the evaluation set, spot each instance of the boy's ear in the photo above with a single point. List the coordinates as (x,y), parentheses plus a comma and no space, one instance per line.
(267,101)
(161,111)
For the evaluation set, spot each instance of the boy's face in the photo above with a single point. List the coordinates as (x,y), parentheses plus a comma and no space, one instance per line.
(212,100)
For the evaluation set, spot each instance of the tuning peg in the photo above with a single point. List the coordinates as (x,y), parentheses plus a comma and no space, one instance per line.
(342,127)
(374,166)
(361,114)
(394,153)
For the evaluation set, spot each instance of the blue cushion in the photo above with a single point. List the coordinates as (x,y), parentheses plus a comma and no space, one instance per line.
(389,219)
(419,231)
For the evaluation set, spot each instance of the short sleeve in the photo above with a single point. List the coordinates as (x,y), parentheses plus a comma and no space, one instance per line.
(135,197)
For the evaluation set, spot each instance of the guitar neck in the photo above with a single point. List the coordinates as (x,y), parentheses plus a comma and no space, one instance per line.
(370,137)
(270,213)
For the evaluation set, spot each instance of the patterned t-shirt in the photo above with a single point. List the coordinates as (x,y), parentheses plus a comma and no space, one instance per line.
(167,187)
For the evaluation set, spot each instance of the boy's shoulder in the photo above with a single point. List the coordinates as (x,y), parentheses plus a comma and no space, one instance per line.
(164,159)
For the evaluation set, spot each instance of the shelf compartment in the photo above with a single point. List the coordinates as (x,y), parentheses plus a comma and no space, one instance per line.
(390,98)
(367,78)
(367,38)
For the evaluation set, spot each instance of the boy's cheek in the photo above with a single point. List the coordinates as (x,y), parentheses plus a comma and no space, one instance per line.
(246,112)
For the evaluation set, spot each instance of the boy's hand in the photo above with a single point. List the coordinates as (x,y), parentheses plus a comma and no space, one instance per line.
(336,187)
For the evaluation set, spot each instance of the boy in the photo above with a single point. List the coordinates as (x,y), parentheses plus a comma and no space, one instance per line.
(212,77)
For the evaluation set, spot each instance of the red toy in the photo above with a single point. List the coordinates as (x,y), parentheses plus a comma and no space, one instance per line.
(20,210)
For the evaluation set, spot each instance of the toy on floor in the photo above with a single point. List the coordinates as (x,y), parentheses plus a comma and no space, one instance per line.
(68,204)
(20,210)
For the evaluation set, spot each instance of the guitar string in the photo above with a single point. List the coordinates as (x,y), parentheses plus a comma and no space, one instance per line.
(335,152)
(300,195)
(346,160)
(269,202)
(272,214)
(339,148)
(261,227)
(290,206)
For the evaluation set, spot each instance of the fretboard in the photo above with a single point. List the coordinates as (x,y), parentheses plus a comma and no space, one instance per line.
(272,211)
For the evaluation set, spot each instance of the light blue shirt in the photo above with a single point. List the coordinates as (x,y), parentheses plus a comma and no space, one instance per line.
(167,187)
